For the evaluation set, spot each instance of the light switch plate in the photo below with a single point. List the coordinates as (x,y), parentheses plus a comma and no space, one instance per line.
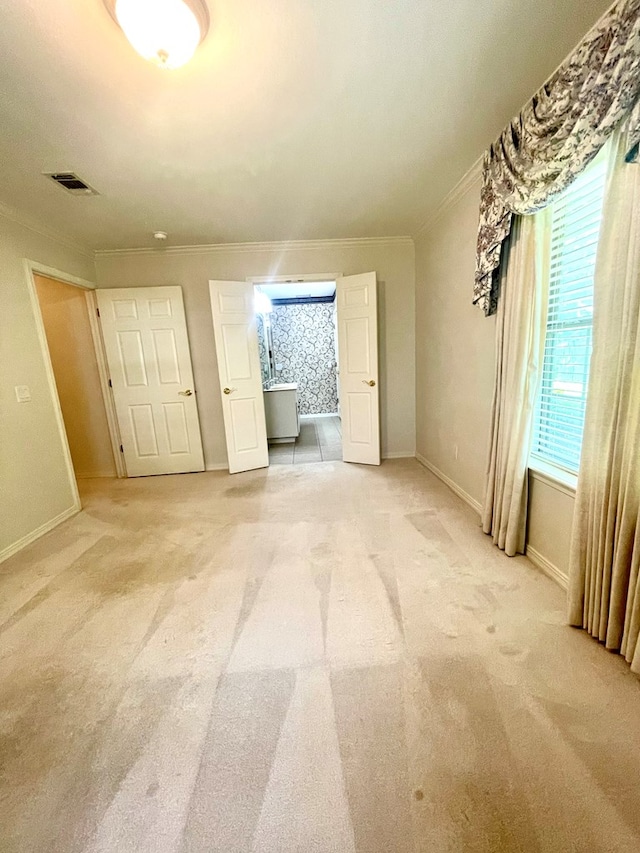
(23,393)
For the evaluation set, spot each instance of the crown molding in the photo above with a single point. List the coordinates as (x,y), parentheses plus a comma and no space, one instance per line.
(463,186)
(37,227)
(278,245)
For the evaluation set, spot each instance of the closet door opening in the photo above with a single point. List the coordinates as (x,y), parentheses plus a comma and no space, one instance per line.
(69,327)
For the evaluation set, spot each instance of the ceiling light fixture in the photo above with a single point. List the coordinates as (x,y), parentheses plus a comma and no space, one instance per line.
(166,32)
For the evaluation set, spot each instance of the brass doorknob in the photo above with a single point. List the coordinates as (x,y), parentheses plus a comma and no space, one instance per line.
(228,390)
(370,382)
(186,393)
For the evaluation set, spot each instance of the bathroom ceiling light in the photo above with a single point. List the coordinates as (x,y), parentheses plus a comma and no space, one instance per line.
(166,32)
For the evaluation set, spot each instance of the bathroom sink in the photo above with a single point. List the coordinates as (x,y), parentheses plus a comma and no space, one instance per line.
(283,386)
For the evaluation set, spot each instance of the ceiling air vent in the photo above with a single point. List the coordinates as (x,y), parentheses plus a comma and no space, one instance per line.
(72,183)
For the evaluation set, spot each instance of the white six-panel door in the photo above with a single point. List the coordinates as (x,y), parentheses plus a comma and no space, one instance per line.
(234,326)
(147,348)
(358,378)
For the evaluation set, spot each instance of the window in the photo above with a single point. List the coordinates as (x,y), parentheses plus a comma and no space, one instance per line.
(575,226)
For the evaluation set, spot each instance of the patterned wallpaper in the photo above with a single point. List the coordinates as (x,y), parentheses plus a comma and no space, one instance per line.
(304,344)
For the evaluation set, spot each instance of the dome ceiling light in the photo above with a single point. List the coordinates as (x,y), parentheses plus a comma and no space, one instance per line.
(166,32)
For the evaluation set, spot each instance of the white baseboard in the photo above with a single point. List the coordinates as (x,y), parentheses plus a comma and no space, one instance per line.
(217,466)
(547,567)
(400,454)
(38,532)
(472,502)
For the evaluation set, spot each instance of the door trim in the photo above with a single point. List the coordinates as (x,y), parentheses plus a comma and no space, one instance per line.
(32,268)
(292,278)
(107,393)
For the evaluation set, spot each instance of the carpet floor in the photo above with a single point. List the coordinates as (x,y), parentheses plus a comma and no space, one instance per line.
(322,657)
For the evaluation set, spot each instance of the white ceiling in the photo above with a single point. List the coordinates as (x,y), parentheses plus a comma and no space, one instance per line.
(297,119)
(296,290)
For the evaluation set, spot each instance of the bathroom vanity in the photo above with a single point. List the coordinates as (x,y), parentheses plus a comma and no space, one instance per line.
(281,410)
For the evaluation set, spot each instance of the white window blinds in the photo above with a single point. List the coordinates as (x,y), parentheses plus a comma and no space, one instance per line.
(575,227)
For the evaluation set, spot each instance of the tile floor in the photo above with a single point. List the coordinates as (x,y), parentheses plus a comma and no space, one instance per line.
(320,440)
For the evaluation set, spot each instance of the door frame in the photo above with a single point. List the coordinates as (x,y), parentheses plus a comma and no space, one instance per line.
(33,268)
(295,279)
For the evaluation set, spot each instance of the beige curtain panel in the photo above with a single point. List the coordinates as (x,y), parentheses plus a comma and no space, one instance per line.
(520,334)
(604,591)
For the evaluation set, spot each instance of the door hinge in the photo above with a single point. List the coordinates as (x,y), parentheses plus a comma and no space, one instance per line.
(121,449)
(110,384)
(98,311)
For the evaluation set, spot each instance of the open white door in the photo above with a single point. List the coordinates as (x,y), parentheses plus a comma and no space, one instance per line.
(234,326)
(147,348)
(358,378)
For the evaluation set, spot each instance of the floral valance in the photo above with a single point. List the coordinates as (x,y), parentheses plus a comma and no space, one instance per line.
(558,133)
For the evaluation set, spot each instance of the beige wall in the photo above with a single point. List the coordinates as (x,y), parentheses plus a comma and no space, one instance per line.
(35,487)
(455,355)
(454,350)
(66,322)
(550,519)
(393,260)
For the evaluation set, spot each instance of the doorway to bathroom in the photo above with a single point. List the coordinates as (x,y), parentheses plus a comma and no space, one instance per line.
(245,392)
(296,325)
